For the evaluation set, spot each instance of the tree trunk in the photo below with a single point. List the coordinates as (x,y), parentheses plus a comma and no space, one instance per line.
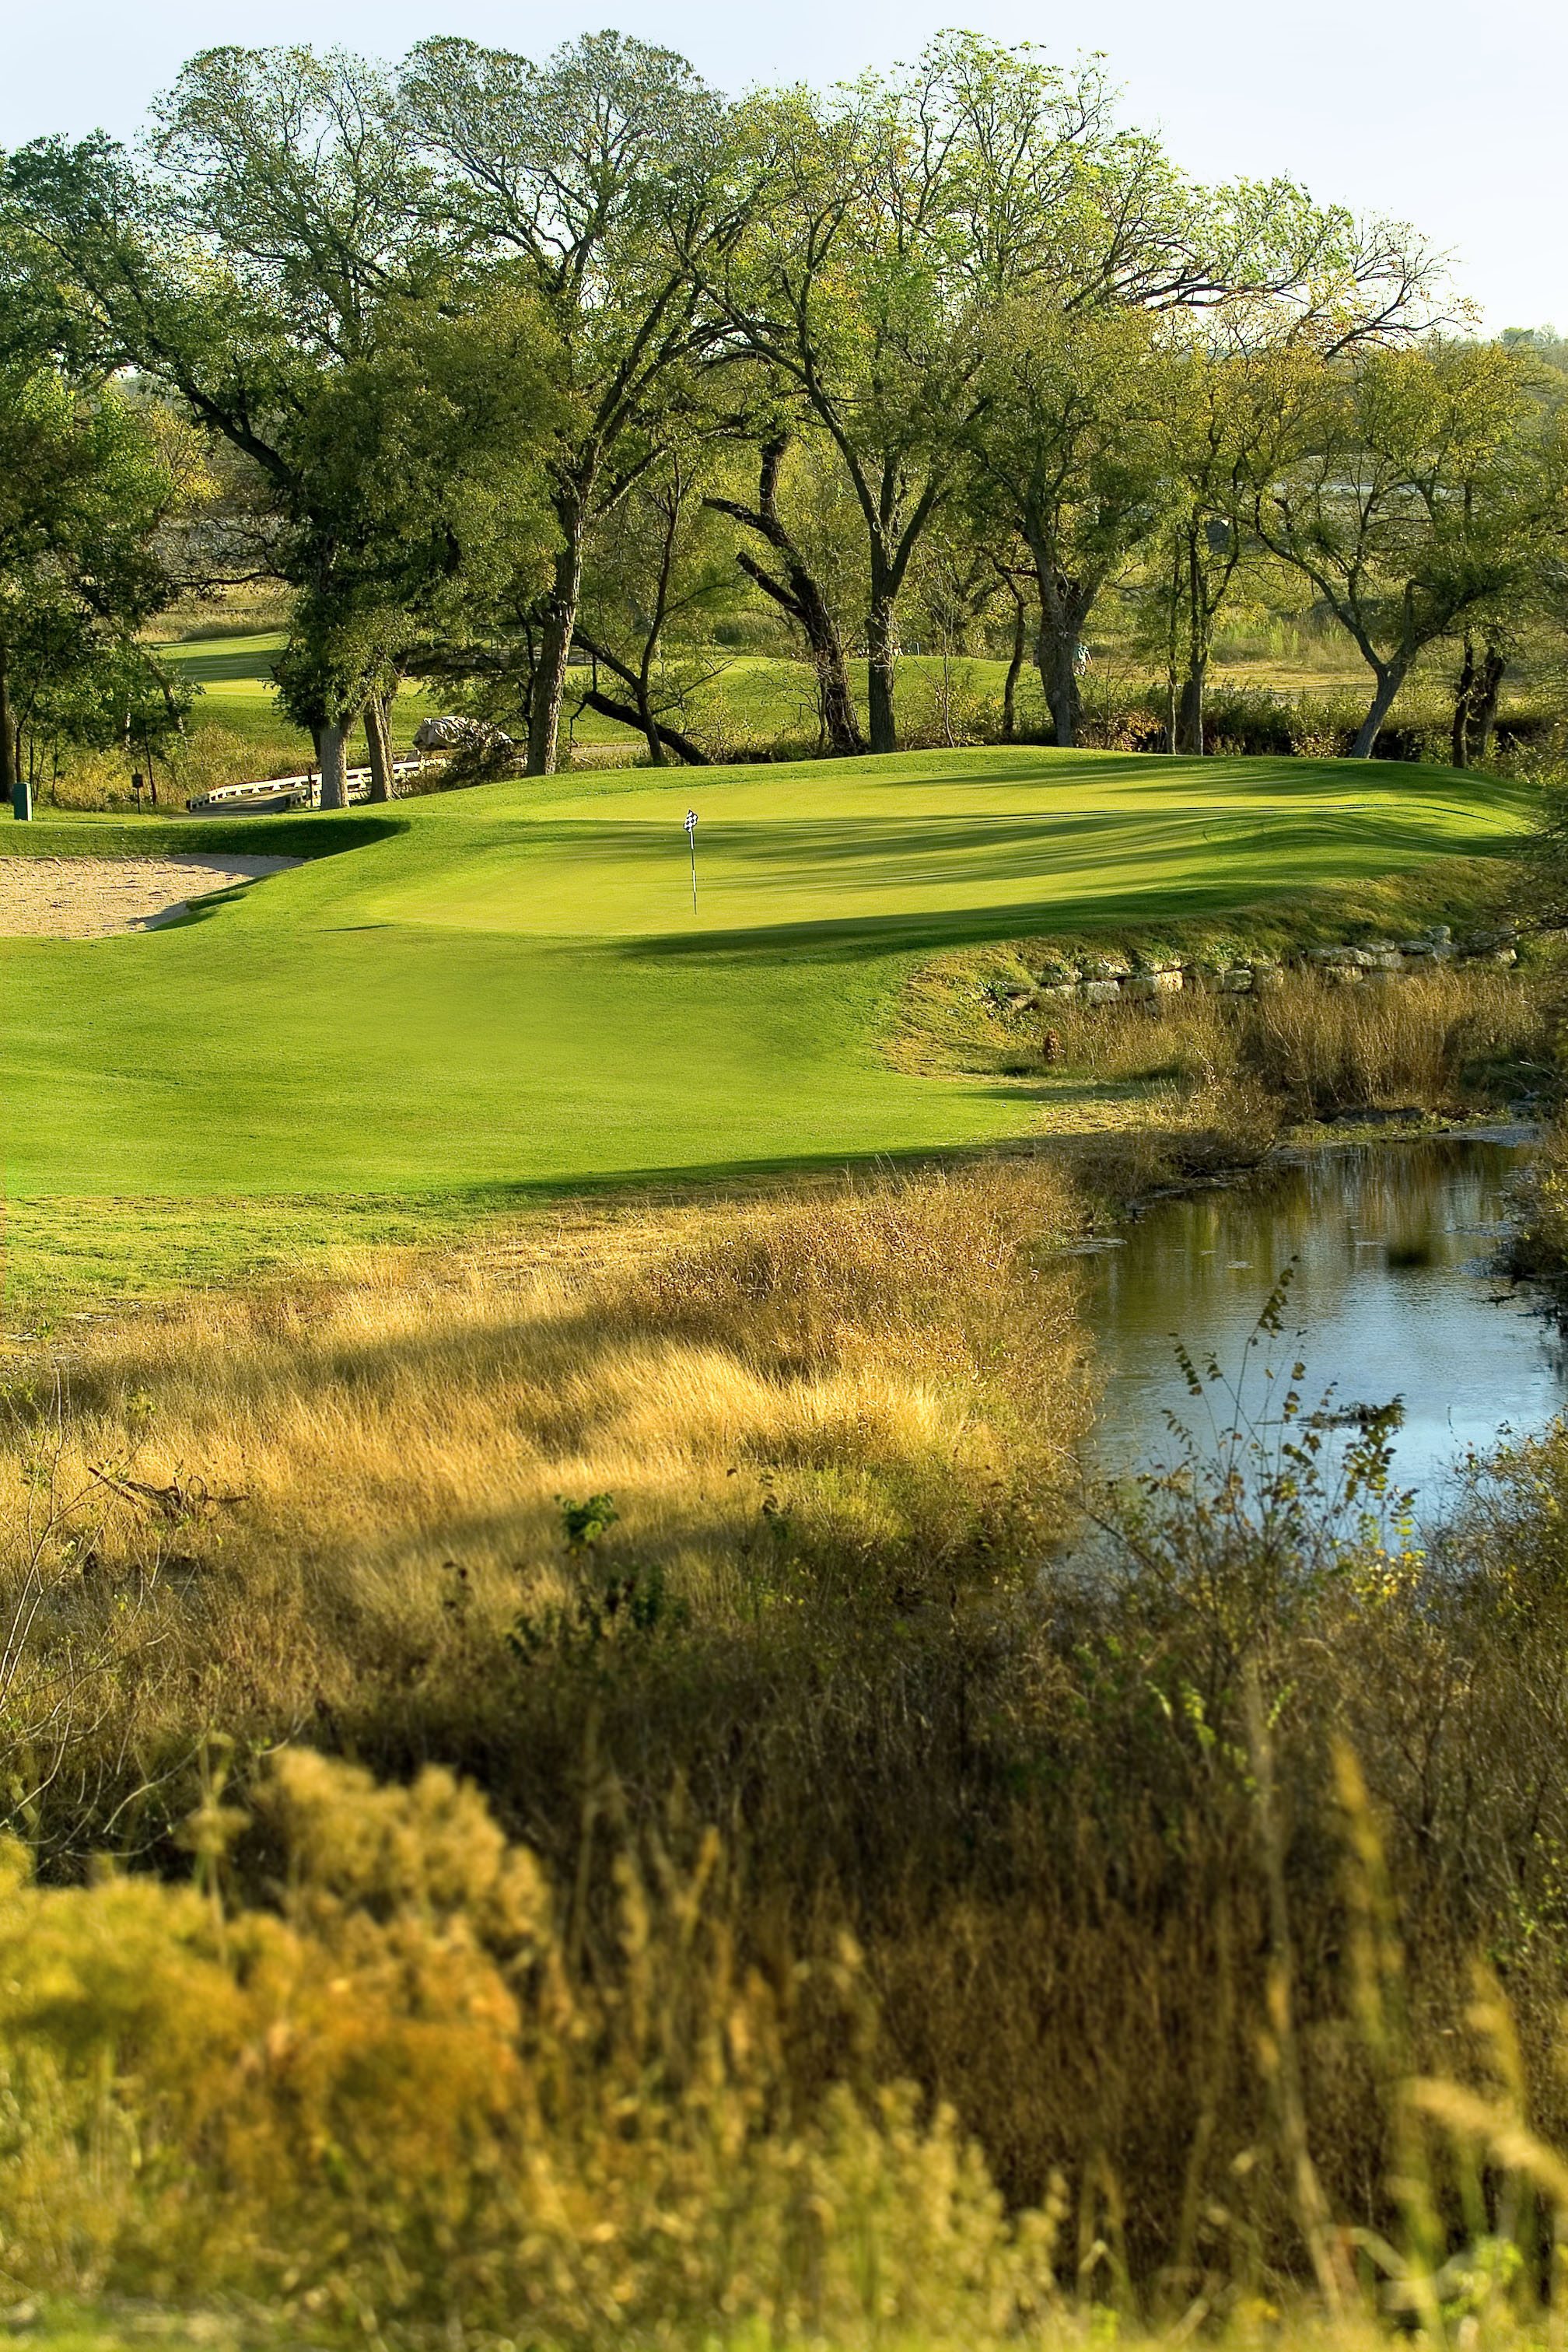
(1059,675)
(800,597)
(1190,716)
(1172,684)
(1015,671)
(7,732)
(835,696)
(1459,739)
(1484,701)
(879,681)
(378,746)
(652,734)
(648,718)
(333,742)
(555,643)
(1390,678)
(1065,606)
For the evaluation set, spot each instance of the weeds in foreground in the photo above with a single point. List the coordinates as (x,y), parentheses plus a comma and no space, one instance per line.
(817,1906)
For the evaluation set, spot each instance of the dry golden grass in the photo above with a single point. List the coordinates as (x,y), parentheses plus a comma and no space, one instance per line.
(1434,1041)
(273,1501)
(842,1868)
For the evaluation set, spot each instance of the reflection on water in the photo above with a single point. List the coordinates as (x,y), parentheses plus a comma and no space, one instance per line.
(1393,1296)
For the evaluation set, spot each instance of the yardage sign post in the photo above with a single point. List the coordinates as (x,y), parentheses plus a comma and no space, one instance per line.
(692,838)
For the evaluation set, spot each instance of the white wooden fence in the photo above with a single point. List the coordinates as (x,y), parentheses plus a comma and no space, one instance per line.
(287,791)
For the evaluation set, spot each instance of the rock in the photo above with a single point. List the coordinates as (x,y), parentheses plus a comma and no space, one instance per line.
(1266,978)
(1386,959)
(1237,980)
(1339,975)
(1107,967)
(1058,990)
(1099,992)
(1153,965)
(1350,958)
(1207,978)
(1151,983)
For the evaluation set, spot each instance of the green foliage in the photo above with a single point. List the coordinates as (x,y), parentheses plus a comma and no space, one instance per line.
(91,480)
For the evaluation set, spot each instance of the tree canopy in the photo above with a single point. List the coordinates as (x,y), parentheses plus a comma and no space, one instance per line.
(503,364)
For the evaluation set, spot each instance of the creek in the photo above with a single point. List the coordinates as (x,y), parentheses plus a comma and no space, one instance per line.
(1394,1293)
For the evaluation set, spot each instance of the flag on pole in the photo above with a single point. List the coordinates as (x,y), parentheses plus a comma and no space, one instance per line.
(692,838)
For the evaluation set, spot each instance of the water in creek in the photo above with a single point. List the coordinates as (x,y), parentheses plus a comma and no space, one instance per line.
(1393,1294)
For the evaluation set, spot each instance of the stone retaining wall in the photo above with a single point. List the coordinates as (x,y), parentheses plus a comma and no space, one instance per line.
(1109,979)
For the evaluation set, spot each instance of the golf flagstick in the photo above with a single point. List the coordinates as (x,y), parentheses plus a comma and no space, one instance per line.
(692,838)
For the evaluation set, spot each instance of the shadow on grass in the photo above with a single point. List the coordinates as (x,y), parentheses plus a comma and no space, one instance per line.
(1278,867)
(323,833)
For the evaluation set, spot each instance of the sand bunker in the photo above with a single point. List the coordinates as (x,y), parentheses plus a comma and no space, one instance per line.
(99,897)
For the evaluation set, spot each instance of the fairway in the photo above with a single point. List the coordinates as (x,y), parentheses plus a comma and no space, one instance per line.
(512,989)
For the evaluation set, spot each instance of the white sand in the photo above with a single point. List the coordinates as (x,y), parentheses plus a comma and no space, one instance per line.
(99,897)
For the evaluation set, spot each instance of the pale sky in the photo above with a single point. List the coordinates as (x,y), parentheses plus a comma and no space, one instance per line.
(1436,111)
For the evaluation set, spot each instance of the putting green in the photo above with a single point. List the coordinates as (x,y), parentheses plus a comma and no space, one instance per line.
(512,989)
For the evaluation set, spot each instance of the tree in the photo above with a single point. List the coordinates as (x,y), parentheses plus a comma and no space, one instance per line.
(603,172)
(1412,497)
(279,258)
(654,566)
(1071,449)
(1501,626)
(852,284)
(85,487)
(1225,392)
(794,585)
(894,224)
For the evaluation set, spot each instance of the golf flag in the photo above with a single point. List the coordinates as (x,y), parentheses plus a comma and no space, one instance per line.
(692,838)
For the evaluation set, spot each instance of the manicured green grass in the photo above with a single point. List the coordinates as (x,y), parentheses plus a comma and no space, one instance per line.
(504,992)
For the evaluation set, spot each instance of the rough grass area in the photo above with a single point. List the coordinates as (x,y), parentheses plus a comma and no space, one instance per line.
(77,2324)
(1447,1042)
(950,1020)
(868,1383)
(650,1844)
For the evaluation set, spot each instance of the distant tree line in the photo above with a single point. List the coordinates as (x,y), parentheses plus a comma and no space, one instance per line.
(518,376)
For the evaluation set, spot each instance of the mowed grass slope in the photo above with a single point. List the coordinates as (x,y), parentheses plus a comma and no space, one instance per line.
(512,989)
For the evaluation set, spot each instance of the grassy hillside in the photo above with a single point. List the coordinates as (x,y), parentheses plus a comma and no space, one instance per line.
(511,989)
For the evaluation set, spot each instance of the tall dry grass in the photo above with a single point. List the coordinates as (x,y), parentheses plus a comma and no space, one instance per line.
(327,1503)
(207,756)
(857,1830)
(1440,1040)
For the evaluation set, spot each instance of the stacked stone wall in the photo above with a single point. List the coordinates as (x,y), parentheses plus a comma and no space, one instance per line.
(1147,975)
